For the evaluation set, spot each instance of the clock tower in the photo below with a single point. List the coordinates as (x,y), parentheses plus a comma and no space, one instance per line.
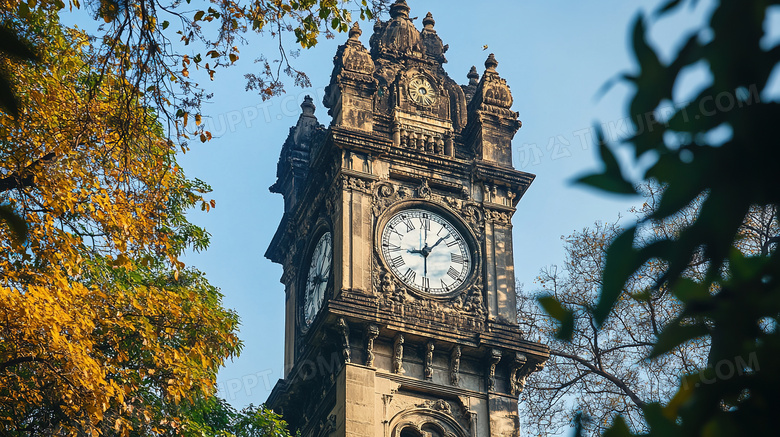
(396,243)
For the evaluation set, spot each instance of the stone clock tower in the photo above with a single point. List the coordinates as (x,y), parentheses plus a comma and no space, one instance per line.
(396,243)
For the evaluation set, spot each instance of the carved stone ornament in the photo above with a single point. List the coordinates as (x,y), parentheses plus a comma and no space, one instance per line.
(493,359)
(455,366)
(499,217)
(520,375)
(384,196)
(514,374)
(438,405)
(429,360)
(424,192)
(326,427)
(398,354)
(343,328)
(475,217)
(357,184)
(372,332)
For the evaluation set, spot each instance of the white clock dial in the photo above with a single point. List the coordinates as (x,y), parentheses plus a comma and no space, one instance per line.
(425,251)
(422,92)
(317,279)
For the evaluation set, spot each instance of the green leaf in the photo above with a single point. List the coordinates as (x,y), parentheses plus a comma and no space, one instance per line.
(16,224)
(620,264)
(667,7)
(165,25)
(658,422)
(676,334)
(689,291)
(11,45)
(745,268)
(618,428)
(612,179)
(564,316)
(7,97)
(199,15)
(606,182)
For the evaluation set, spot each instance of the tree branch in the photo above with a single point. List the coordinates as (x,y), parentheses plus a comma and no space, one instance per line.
(24,178)
(620,384)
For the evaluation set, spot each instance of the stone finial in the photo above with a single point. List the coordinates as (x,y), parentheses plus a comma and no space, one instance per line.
(399,9)
(308,106)
(355,32)
(473,76)
(491,63)
(428,21)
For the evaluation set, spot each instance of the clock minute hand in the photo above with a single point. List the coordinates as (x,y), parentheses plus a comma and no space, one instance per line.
(435,244)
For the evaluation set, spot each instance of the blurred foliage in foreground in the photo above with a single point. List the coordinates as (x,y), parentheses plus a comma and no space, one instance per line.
(719,148)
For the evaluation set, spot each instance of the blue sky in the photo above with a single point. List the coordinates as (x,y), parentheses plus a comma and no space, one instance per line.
(554,55)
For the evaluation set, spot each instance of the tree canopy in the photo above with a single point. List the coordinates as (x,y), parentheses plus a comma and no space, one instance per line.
(717,149)
(604,372)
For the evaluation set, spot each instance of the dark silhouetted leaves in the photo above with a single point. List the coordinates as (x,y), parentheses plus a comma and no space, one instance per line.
(564,316)
(739,296)
(612,179)
(13,47)
(15,223)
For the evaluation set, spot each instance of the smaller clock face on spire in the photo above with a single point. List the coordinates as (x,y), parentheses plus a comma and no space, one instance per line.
(422,92)
(425,251)
(317,279)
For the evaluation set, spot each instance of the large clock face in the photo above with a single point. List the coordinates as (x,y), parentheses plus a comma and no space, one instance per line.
(421,91)
(425,251)
(317,279)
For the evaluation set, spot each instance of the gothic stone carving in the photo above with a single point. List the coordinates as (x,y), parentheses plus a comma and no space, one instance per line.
(372,332)
(455,366)
(344,333)
(493,359)
(398,354)
(519,376)
(429,360)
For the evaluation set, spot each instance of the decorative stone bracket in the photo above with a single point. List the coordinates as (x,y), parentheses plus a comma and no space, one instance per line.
(429,360)
(398,354)
(493,359)
(455,366)
(521,369)
(344,333)
(372,332)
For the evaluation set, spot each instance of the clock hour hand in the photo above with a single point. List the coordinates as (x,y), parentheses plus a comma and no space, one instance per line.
(421,251)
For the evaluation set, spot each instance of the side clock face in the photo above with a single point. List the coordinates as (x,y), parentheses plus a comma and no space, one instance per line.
(422,92)
(425,251)
(317,279)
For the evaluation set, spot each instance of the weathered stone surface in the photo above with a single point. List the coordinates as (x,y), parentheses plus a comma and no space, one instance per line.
(381,356)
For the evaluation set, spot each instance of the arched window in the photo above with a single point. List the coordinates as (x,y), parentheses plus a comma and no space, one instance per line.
(430,430)
(409,432)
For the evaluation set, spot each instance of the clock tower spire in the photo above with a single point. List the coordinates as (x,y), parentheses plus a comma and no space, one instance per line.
(396,244)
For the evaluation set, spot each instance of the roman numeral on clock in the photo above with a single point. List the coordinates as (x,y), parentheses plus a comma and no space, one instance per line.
(452,273)
(408,222)
(426,283)
(425,223)
(398,261)
(409,276)
(392,247)
(453,242)
(457,258)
